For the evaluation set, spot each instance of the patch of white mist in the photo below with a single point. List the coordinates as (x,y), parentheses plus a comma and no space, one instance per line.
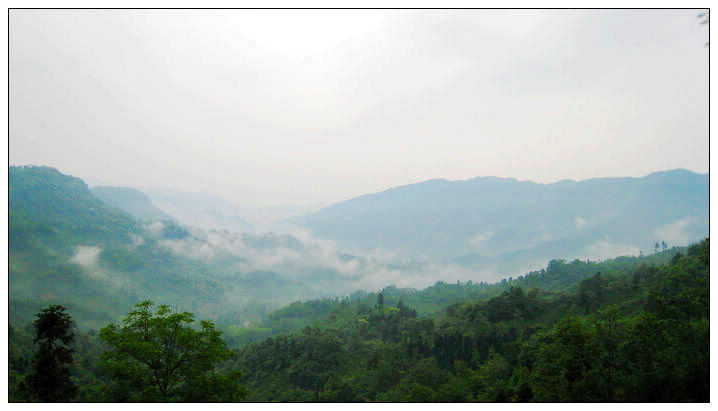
(677,233)
(86,256)
(604,249)
(479,239)
(155,227)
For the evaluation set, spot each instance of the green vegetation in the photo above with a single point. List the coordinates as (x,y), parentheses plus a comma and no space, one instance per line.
(632,332)
(68,246)
(49,380)
(638,335)
(153,357)
(160,357)
(559,277)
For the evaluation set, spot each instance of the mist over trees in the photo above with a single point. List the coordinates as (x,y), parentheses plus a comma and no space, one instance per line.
(633,332)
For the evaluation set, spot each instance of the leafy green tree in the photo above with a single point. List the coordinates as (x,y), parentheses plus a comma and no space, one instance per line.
(161,357)
(50,380)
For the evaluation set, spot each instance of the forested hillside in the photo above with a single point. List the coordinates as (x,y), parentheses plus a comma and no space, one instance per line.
(68,246)
(636,335)
(559,277)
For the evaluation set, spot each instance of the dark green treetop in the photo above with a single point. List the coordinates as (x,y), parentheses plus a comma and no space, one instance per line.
(161,357)
(50,380)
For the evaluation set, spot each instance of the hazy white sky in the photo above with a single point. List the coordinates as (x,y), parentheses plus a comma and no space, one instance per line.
(312,107)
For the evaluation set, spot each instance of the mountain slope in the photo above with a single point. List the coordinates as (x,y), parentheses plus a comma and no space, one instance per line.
(41,198)
(492,220)
(66,246)
(69,247)
(199,209)
(131,201)
(621,330)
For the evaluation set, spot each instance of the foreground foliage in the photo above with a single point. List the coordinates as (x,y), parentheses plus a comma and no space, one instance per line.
(49,380)
(160,357)
(151,357)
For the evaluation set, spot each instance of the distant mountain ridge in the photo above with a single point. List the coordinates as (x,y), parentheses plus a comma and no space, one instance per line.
(132,201)
(199,209)
(492,219)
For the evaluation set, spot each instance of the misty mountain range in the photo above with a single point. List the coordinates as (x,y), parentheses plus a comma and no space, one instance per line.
(490,220)
(66,244)
(486,223)
(119,245)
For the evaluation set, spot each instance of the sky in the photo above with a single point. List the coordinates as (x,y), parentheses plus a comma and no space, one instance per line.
(304,108)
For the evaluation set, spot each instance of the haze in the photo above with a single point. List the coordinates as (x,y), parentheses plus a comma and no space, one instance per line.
(306,108)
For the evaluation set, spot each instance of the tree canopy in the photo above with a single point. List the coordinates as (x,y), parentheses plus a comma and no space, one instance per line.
(160,356)
(50,380)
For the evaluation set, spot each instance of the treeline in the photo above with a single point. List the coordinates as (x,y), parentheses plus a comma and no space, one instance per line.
(560,276)
(152,356)
(641,336)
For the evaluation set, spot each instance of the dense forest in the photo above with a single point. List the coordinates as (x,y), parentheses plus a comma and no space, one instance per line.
(627,329)
(617,335)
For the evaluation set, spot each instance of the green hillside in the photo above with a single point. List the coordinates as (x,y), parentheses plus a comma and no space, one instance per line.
(640,334)
(67,246)
(559,277)
(626,334)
